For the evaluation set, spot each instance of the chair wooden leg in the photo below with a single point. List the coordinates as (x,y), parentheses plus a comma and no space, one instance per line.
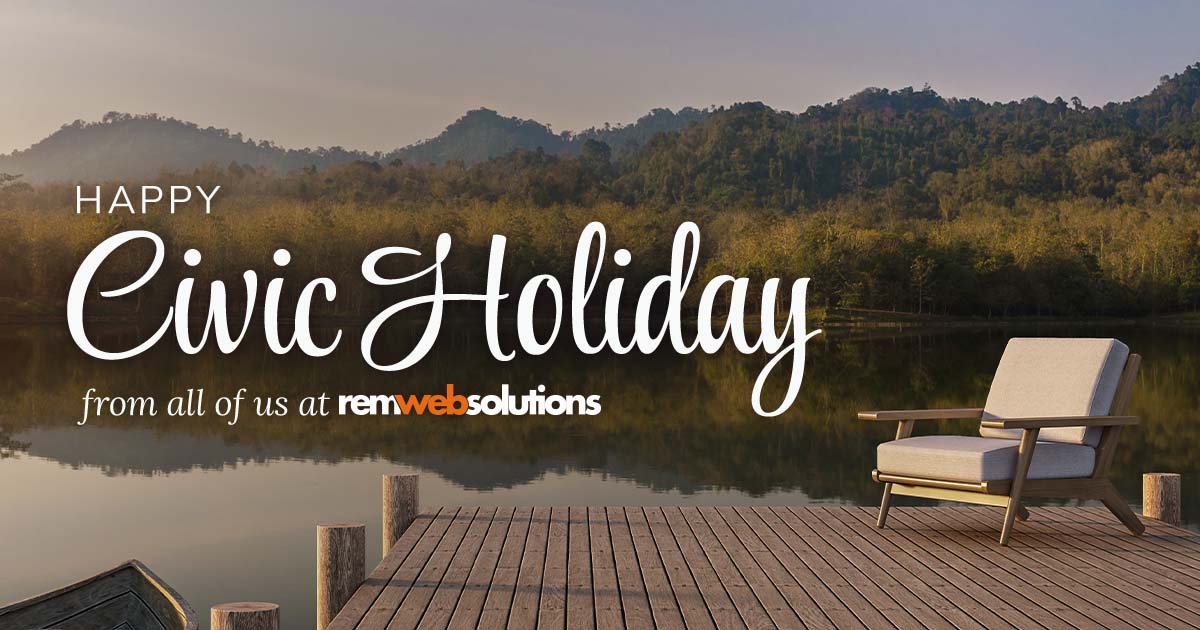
(1010,515)
(1022,513)
(1115,504)
(1024,457)
(884,505)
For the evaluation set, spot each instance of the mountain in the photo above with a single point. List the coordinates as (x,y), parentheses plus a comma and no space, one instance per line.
(479,135)
(126,146)
(483,134)
(912,145)
(626,138)
(917,151)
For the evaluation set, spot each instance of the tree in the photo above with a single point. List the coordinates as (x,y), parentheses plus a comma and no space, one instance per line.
(596,154)
(921,275)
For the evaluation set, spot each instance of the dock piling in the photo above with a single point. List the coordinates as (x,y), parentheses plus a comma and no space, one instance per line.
(341,567)
(401,500)
(245,616)
(1161,497)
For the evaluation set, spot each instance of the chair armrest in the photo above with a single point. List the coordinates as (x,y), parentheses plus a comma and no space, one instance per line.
(922,414)
(1065,421)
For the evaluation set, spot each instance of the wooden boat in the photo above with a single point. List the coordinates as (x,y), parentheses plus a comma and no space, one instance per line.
(126,597)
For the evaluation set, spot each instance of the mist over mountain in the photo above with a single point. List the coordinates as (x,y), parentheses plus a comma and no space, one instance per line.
(912,143)
(128,146)
(479,135)
(482,134)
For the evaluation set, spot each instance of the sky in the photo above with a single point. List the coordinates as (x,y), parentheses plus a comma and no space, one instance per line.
(378,75)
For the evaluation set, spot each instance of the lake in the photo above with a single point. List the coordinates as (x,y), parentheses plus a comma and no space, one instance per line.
(229,513)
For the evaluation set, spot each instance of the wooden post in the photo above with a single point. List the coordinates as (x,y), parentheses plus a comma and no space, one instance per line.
(245,616)
(400,503)
(1161,497)
(341,567)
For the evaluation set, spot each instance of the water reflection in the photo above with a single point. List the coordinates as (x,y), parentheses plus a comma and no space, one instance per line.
(673,430)
(669,422)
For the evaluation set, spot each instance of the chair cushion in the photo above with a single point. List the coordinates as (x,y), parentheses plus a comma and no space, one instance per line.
(1049,377)
(970,459)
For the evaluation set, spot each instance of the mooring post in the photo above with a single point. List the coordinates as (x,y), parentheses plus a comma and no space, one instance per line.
(400,503)
(245,616)
(1161,497)
(341,567)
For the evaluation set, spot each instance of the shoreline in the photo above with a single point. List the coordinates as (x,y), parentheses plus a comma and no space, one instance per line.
(840,320)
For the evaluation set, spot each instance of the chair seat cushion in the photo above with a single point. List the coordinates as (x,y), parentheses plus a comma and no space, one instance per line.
(973,459)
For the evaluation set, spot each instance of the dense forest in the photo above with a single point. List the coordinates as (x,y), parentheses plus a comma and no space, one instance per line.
(900,200)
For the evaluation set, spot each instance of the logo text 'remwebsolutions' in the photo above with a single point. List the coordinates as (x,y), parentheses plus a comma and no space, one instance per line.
(535,402)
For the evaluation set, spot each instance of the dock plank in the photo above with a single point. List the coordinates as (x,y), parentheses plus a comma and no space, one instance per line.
(927,567)
(635,601)
(663,605)
(385,606)
(605,590)
(912,579)
(1100,608)
(552,607)
(1017,593)
(366,595)
(769,567)
(1107,569)
(1048,561)
(864,582)
(720,606)
(581,598)
(502,589)
(524,611)
(691,603)
(429,581)
(473,601)
(752,611)
(609,568)
(802,560)
(465,582)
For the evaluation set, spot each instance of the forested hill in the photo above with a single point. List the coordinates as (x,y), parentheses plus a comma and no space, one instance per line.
(900,200)
(483,134)
(915,148)
(125,146)
(880,153)
(479,135)
(902,150)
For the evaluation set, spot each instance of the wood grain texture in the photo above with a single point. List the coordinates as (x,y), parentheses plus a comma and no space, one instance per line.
(780,567)
(245,616)
(128,594)
(1161,494)
(400,503)
(1060,421)
(341,567)
(922,414)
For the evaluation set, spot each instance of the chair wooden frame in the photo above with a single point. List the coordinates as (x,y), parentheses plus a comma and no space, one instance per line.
(1008,493)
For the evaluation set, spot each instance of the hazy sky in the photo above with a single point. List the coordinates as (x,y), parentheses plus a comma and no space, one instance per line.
(378,75)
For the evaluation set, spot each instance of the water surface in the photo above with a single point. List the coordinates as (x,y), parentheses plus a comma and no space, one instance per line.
(228,513)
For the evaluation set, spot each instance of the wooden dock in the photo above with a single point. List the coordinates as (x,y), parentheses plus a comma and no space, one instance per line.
(764,567)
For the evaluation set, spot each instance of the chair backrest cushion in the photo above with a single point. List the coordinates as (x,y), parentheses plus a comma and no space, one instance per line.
(1051,377)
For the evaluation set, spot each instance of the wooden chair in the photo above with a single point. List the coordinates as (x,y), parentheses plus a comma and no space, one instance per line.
(1049,428)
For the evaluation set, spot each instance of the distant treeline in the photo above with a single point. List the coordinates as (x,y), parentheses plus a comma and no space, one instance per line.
(130,146)
(896,200)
